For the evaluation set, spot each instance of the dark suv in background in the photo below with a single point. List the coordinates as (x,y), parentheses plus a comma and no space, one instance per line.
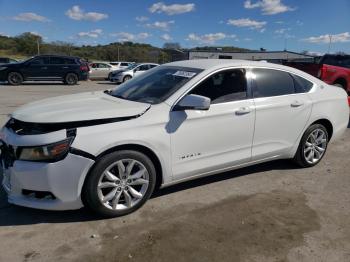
(68,69)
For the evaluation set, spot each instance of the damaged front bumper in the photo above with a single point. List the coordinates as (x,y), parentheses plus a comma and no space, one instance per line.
(42,185)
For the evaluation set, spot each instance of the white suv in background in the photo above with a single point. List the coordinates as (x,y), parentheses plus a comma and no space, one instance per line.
(133,70)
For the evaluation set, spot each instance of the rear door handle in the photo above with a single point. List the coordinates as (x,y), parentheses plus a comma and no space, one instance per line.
(296,104)
(65,67)
(44,67)
(243,111)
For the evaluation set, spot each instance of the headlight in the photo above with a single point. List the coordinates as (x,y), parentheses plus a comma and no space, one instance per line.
(3,68)
(46,153)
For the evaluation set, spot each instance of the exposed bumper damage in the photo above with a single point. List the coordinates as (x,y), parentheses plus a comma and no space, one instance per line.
(45,185)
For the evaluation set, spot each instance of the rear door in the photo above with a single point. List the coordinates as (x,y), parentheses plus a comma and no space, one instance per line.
(282,112)
(57,67)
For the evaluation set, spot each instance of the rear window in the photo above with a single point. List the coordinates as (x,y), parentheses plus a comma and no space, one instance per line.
(337,60)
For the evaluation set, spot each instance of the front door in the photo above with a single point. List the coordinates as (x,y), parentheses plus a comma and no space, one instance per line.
(37,68)
(203,141)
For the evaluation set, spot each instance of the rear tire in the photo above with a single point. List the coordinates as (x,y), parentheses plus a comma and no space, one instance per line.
(119,184)
(14,78)
(312,147)
(71,79)
(126,78)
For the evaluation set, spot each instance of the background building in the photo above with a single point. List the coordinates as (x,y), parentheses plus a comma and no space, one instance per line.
(270,56)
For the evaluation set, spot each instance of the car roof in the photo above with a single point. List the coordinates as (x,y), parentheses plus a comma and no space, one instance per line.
(215,64)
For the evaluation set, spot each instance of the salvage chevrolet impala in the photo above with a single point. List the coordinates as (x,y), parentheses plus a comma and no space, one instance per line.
(110,150)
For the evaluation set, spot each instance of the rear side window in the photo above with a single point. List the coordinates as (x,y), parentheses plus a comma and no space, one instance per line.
(301,84)
(57,61)
(337,60)
(3,60)
(69,61)
(124,64)
(270,82)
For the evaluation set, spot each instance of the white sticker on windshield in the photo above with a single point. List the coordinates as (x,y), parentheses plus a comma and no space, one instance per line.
(185,74)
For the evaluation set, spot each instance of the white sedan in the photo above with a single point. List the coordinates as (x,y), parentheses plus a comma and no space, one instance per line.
(179,121)
(123,75)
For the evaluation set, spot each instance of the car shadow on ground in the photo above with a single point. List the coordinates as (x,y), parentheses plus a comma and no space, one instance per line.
(11,215)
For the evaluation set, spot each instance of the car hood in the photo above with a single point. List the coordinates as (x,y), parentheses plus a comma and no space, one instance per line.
(79,107)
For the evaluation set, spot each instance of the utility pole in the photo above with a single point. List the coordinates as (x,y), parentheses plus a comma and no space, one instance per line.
(118,53)
(330,43)
(38,45)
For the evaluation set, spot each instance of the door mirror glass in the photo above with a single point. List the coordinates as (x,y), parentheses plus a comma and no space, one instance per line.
(193,102)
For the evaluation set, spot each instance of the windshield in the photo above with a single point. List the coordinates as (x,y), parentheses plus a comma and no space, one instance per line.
(156,85)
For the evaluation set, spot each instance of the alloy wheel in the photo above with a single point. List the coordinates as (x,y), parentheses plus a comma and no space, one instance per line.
(315,146)
(123,184)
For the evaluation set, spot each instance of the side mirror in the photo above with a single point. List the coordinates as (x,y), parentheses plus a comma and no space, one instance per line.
(193,102)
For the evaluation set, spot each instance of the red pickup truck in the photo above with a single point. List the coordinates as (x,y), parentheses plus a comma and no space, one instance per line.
(332,69)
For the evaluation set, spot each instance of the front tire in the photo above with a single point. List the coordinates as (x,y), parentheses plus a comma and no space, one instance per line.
(120,183)
(71,79)
(14,78)
(126,78)
(312,147)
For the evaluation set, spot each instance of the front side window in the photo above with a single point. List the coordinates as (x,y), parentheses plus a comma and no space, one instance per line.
(156,85)
(40,61)
(270,82)
(143,68)
(225,86)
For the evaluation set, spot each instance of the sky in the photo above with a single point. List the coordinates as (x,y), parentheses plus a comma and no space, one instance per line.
(296,25)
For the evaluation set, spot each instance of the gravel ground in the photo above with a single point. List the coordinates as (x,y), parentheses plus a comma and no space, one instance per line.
(269,212)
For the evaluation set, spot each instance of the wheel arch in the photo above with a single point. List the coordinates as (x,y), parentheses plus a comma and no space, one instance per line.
(136,147)
(327,124)
(342,80)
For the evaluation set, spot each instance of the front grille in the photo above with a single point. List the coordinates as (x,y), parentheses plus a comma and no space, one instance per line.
(7,154)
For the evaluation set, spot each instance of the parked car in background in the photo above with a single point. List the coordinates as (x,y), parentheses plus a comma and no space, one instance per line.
(120,76)
(101,70)
(68,69)
(7,60)
(121,65)
(176,122)
(332,69)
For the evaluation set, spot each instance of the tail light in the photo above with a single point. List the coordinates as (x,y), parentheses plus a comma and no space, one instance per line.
(84,68)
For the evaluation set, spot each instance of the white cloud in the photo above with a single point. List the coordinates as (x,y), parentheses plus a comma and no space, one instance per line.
(173,9)
(28,17)
(246,22)
(269,7)
(282,31)
(91,34)
(141,18)
(76,13)
(128,37)
(338,38)
(165,25)
(166,37)
(299,23)
(208,38)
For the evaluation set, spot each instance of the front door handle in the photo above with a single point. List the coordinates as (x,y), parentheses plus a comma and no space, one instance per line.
(243,111)
(296,104)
